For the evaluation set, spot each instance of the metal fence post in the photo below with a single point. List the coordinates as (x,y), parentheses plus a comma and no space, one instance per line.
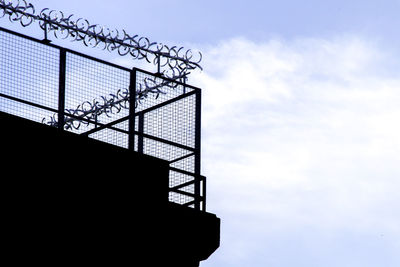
(204,192)
(132,109)
(141,131)
(61,89)
(197,167)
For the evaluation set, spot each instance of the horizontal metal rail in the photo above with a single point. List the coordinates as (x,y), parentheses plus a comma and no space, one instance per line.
(66,49)
(16,99)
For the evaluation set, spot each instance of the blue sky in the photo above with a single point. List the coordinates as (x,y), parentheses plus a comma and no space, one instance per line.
(300,121)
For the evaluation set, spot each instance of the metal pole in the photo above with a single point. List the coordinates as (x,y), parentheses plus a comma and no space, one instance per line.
(141,131)
(132,108)
(197,161)
(45,32)
(203,208)
(61,89)
(159,64)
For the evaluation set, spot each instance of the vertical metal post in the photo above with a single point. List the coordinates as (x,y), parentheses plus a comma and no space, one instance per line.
(141,131)
(45,33)
(184,83)
(95,120)
(61,88)
(132,108)
(204,192)
(197,161)
(159,64)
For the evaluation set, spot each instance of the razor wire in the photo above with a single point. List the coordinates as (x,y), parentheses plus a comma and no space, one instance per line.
(108,105)
(172,61)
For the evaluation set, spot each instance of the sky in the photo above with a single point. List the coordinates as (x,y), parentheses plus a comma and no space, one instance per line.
(301,121)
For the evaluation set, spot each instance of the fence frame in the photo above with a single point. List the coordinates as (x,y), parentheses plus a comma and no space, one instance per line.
(134,117)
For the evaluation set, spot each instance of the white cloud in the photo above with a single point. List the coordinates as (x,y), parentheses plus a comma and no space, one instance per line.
(301,144)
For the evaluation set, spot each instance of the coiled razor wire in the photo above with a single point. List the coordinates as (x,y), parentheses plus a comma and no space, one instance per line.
(172,62)
(112,104)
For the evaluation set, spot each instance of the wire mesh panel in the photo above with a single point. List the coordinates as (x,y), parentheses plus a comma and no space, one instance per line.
(29,72)
(186,193)
(173,122)
(153,90)
(90,84)
(167,118)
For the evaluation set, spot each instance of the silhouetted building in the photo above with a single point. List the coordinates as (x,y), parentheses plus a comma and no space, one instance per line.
(100,163)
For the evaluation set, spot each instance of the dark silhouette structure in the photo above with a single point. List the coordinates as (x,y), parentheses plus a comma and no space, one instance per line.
(97,213)
(100,163)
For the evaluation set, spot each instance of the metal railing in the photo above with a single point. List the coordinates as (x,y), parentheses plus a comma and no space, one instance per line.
(131,108)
